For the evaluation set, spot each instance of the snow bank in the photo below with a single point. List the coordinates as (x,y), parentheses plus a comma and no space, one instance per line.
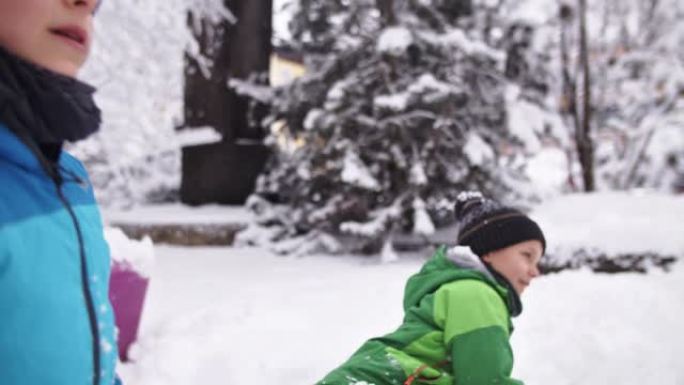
(583,328)
(137,255)
(614,222)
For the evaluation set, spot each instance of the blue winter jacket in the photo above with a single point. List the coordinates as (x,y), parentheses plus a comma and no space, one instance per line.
(56,322)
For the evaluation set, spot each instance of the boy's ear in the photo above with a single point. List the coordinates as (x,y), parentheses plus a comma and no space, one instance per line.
(487,257)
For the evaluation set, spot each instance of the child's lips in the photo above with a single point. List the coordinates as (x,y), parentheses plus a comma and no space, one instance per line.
(75,35)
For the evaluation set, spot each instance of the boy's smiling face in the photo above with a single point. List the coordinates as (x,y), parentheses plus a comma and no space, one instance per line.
(517,263)
(54,34)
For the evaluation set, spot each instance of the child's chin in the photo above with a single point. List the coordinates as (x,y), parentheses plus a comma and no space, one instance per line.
(64,68)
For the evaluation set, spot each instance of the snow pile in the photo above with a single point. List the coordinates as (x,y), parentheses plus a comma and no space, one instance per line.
(613,223)
(136,255)
(583,328)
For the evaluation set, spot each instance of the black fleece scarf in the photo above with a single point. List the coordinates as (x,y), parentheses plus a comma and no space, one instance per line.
(45,107)
(514,304)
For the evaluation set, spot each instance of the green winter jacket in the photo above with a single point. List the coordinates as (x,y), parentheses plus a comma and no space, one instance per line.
(455,330)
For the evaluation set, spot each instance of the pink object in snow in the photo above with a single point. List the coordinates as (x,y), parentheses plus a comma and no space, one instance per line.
(127,291)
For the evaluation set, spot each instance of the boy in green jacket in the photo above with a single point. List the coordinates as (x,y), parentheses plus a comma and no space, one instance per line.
(458,308)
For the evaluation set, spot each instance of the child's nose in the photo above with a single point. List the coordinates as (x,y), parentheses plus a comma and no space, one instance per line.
(90,4)
(534,271)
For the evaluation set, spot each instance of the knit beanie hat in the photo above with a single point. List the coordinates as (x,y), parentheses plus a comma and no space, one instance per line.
(485,225)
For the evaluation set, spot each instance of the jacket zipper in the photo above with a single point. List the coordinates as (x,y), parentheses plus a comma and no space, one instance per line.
(84,285)
(52,172)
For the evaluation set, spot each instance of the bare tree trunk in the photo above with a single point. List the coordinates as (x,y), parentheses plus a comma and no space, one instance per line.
(568,104)
(585,145)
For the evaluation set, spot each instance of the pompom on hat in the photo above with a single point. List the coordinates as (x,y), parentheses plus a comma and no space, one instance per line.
(485,225)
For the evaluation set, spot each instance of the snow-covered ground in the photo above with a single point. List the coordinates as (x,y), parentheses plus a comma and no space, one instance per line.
(247,316)
(244,316)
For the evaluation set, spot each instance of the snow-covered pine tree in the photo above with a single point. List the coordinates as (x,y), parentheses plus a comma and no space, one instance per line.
(403,107)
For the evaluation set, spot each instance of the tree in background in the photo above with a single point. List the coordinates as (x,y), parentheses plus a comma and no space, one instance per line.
(638,61)
(576,104)
(625,80)
(404,107)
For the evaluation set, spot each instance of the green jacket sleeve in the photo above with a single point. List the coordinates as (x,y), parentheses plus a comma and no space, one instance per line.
(476,333)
